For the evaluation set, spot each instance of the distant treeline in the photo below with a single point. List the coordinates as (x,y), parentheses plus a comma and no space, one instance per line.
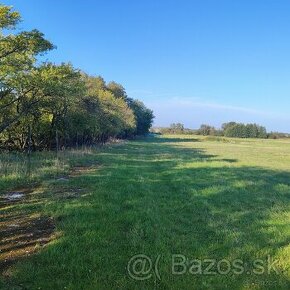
(174,128)
(230,129)
(45,106)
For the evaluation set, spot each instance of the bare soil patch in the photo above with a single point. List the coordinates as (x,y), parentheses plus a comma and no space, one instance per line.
(21,233)
(14,196)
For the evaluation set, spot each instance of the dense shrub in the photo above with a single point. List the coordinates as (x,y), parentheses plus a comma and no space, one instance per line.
(44,106)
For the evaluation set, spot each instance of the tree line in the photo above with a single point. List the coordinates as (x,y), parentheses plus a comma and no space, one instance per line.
(230,129)
(233,129)
(44,105)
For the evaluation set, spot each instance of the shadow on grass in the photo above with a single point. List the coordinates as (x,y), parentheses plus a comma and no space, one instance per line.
(209,211)
(170,140)
(229,160)
(155,198)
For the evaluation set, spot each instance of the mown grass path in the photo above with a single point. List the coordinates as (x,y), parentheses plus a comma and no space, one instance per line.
(199,198)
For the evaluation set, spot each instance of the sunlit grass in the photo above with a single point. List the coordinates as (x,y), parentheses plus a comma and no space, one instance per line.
(216,199)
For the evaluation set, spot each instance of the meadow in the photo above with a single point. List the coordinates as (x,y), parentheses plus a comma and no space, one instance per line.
(86,213)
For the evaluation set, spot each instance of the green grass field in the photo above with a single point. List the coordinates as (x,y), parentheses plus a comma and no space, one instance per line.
(226,200)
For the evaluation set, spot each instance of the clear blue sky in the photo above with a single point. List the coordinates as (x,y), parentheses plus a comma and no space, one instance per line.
(195,61)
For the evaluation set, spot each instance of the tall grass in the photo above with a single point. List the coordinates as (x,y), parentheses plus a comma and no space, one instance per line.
(16,169)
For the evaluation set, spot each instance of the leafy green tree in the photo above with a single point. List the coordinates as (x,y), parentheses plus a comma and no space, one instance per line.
(57,105)
(93,84)
(45,106)
(144,116)
(240,130)
(103,115)
(18,53)
(8,18)
(225,126)
(117,90)
(115,116)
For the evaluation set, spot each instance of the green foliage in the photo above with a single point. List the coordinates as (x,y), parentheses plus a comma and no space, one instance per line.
(117,90)
(8,18)
(19,76)
(240,130)
(144,116)
(225,126)
(62,106)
